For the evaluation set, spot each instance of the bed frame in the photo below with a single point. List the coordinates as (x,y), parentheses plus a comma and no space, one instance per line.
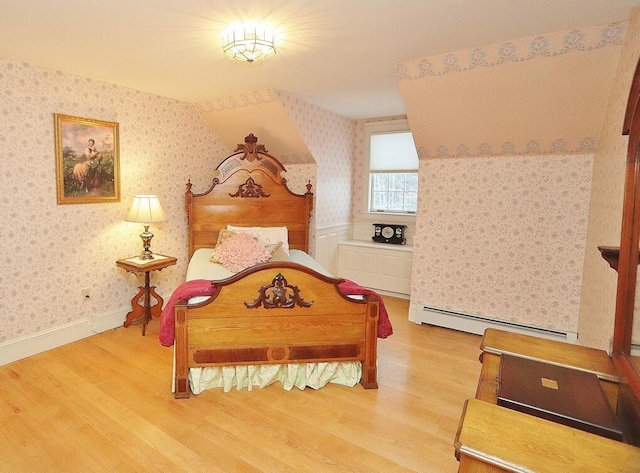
(275,312)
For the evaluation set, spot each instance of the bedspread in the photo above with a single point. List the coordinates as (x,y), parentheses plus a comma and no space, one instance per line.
(204,287)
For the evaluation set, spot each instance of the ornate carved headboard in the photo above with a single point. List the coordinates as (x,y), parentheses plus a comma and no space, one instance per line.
(248,189)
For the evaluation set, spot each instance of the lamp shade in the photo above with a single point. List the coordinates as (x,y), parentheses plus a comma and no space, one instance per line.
(145,209)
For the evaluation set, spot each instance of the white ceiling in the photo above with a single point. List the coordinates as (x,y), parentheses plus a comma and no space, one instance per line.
(338,54)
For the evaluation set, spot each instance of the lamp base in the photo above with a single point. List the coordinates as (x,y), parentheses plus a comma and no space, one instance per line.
(145,255)
(146,243)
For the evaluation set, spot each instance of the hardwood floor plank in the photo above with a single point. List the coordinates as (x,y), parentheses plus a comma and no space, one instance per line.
(104,404)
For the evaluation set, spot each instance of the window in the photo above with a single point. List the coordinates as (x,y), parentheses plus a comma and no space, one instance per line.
(393,168)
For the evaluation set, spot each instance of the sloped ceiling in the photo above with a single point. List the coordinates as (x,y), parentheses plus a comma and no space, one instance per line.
(340,55)
(541,95)
(336,54)
(263,114)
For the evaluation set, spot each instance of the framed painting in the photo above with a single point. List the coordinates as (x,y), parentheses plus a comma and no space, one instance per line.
(87,160)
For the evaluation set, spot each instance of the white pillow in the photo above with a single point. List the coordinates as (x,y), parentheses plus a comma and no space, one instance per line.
(266,235)
(279,255)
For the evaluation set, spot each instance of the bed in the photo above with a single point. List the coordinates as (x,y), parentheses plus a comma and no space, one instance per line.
(280,316)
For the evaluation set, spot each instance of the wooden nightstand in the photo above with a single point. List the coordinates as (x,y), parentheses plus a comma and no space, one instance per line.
(145,309)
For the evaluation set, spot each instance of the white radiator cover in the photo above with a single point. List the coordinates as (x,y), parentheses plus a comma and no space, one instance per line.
(477,325)
(383,267)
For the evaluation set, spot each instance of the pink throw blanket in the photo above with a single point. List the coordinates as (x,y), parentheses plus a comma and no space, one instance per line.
(384,324)
(204,287)
(186,290)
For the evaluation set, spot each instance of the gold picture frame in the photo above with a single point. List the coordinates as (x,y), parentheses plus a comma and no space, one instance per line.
(87,160)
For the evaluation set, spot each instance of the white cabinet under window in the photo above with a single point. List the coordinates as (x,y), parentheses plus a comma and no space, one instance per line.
(377,266)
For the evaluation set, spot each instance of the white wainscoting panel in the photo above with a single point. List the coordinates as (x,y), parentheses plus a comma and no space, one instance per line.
(385,268)
(327,240)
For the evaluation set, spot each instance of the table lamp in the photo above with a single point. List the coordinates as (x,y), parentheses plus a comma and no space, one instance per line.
(146,210)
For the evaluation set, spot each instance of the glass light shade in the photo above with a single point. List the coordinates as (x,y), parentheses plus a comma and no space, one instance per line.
(248,42)
(145,209)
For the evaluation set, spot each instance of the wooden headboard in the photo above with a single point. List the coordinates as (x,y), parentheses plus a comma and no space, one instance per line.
(248,190)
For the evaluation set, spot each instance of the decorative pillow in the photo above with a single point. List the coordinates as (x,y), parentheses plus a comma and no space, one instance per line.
(223,235)
(239,252)
(265,235)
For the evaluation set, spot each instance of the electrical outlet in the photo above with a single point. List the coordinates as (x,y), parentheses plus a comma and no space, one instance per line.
(86,293)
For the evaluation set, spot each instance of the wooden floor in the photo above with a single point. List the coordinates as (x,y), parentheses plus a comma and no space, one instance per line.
(104,404)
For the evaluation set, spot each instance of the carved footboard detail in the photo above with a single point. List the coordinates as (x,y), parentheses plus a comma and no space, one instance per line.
(278,295)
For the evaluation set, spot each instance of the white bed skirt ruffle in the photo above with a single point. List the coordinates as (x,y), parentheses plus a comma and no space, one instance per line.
(299,375)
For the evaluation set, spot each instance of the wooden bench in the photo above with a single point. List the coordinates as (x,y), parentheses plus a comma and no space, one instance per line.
(493,439)
(496,343)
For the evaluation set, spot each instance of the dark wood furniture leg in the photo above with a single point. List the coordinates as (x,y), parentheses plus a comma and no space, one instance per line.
(145,309)
(137,310)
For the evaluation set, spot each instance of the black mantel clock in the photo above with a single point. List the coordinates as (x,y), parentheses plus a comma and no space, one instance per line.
(389,233)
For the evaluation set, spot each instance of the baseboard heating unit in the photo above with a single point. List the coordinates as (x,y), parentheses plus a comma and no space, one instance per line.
(476,324)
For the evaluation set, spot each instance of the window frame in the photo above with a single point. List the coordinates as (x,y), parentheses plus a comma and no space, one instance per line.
(379,127)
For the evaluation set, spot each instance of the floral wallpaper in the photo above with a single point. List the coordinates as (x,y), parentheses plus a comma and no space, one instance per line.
(49,252)
(503,237)
(330,138)
(497,234)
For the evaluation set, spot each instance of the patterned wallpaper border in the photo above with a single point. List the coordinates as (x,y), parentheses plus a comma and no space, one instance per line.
(525,49)
(513,52)
(587,145)
(237,101)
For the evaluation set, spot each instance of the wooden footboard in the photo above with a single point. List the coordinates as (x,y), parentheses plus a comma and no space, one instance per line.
(276,313)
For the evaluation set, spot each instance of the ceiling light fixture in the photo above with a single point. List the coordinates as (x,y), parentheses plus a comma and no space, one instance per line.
(248,42)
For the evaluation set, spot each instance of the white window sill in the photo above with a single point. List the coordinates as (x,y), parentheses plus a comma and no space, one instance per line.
(387,217)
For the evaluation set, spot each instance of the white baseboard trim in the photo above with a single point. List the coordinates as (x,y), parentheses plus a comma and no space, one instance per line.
(477,325)
(39,342)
